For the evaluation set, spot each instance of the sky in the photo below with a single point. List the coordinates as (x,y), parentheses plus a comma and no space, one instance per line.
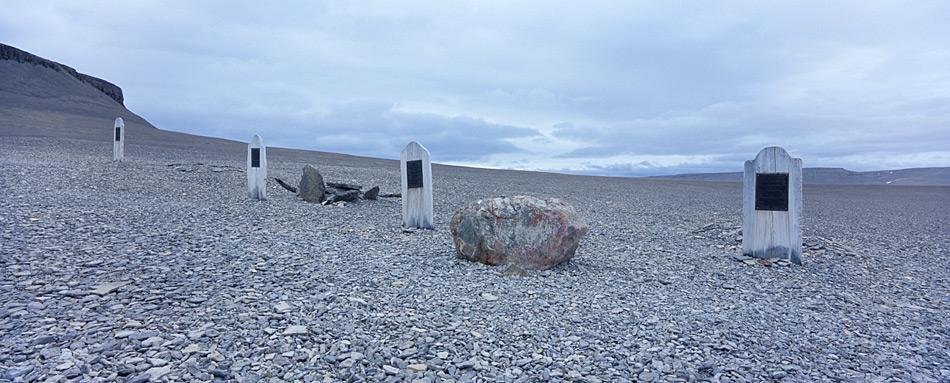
(624,88)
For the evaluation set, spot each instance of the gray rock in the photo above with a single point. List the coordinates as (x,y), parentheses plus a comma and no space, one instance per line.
(158,372)
(153,341)
(141,378)
(108,288)
(295,330)
(470,363)
(371,194)
(285,185)
(345,196)
(45,339)
(646,376)
(157,362)
(312,188)
(344,186)
(283,307)
(72,372)
(14,372)
(125,333)
(522,230)
(219,373)
(741,258)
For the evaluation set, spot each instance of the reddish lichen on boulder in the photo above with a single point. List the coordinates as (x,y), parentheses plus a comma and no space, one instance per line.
(525,231)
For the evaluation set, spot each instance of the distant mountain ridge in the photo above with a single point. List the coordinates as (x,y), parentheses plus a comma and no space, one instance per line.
(109,89)
(938,176)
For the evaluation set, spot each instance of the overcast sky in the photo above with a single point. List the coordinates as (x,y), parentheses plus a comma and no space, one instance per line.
(619,88)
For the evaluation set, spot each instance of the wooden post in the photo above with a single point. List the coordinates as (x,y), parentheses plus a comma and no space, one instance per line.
(416,186)
(257,169)
(118,140)
(772,206)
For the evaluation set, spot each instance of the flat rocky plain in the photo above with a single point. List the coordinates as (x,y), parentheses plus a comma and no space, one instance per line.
(160,268)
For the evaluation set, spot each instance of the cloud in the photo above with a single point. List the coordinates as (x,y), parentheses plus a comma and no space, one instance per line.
(369,128)
(596,87)
(874,130)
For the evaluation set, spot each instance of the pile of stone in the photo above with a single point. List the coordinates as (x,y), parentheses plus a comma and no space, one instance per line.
(313,189)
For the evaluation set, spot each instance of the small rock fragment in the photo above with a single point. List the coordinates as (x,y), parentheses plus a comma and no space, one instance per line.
(107,288)
(157,362)
(192,348)
(45,339)
(344,196)
(222,374)
(285,185)
(343,186)
(295,330)
(141,378)
(124,334)
(371,194)
(14,372)
(489,297)
(283,307)
(153,341)
(158,372)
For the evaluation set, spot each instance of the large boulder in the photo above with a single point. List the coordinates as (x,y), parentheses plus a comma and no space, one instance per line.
(524,231)
(312,188)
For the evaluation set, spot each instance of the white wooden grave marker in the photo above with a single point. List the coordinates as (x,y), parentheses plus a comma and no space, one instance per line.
(772,206)
(118,140)
(416,186)
(257,169)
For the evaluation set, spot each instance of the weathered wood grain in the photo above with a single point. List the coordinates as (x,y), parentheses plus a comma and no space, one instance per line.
(118,140)
(417,202)
(772,234)
(257,176)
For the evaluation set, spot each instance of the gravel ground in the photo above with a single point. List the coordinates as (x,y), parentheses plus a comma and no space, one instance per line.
(143,271)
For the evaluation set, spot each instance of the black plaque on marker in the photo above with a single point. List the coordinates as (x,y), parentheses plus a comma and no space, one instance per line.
(118,133)
(771,191)
(414,174)
(255,157)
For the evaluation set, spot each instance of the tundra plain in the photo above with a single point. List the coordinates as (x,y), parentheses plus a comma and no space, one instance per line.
(161,268)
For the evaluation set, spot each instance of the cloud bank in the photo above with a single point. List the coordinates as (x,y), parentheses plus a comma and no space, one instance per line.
(618,88)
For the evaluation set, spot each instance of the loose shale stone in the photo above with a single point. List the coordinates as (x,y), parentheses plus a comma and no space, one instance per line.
(296,330)
(371,194)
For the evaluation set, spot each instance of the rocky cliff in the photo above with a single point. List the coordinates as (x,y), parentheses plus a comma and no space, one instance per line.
(41,98)
(109,89)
